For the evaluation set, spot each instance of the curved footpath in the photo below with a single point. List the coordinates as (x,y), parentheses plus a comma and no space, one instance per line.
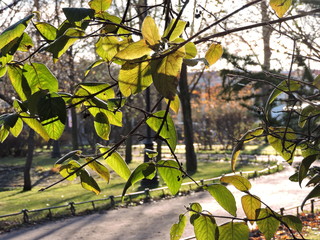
(153,221)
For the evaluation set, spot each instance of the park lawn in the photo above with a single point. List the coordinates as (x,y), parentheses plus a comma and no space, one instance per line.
(13,201)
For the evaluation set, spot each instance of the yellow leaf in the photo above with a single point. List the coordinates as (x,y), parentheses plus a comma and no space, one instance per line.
(150,31)
(280,6)
(213,54)
(250,205)
(134,50)
(174,104)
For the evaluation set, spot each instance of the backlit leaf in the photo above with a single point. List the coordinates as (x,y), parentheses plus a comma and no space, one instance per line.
(178,30)
(251,206)
(234,231)
(150,31)
(177,229)
(166,73)
(70,168)
(143,171)
(134,50)
(108,47)
(205,228)
(39,77)
(88,182)
(268,225)
(134,77)
(214,53)
(100,5)
(25,43)
(4,133)
(78,14)
(196,207)
(191,50)
(46,30)
(280,6)
(248,136)
(14,31)
(102,126)
(224,197)
(93,65)
(74,153)
(306,113)
(116,162)
(19,82)
(175,104)
(104,89)
(238,182)
(62,44)
(17,128)
(168,130)
(281,139)
(35,125)
(99,168)
(172,176)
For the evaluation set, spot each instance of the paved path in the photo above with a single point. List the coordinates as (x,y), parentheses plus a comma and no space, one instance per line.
(153,221)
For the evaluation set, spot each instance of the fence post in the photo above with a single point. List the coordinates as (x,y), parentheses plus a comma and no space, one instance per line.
(312,206)
(256,173)
(147,193)
(72,208)
(202,182)
(94,207)
(25,215)
(282,211)
(50,214)
(297,211)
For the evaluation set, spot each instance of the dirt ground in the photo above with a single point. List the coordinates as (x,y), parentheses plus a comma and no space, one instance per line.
(154,220)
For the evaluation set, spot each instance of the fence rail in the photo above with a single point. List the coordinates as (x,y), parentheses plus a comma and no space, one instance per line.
(71,206)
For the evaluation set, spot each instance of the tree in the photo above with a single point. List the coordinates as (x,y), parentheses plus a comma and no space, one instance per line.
(152,57)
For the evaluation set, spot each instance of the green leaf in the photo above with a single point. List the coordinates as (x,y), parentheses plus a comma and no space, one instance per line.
(306,113)
(17,128)
(234,231)
(35,125)
(168,130)
(102,126)
(239,182)
(39,77)
(305,165)
(248,136)
(108,47)
(104,89)
(166,73)
(100,5)
(293,222)
(196,207)
(316,82)
(178,30)
(134,77)
(93,65)
(172,176)
(14,31)
(19,82)
(62,43)
(4,133)
(314,180)
(143,171)
(280,6)
(67,169)
(150,31)
(191,50)
(282,140)
(25,43)
(313,194)
(115,118)
(46,30)
(177,229)
(99,168)
(175,104)
(116,162)
(74,153)
(134,50)
(284,86)
(88,182)
(251,206)
(214,53)
(205,228)
(224,197)
(78,14)
(268,225)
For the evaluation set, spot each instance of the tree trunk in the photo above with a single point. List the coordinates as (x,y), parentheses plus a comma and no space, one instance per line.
(55,149)
(74,129)
(191,159)
(27,178)
(266,36)
(128,126)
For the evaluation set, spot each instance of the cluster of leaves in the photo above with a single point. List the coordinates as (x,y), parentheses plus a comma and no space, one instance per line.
(204,223)
(154,59)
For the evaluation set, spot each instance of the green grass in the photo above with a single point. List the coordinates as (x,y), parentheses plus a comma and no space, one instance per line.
(15,200)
